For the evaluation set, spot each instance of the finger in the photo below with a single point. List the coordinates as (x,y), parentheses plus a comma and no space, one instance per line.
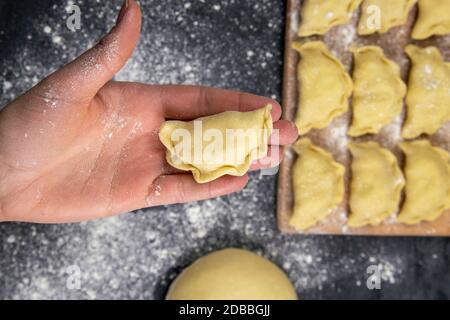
(181,188)
(83,77)
(191,102)
(284,133)
(167,169)
(273,159)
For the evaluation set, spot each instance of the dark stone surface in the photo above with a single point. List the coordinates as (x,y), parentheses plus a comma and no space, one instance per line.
(230,43)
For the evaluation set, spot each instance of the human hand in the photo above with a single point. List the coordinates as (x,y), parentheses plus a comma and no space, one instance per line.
(79,146)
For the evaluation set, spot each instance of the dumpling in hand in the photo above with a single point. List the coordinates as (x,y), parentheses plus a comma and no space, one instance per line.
(382,15)
(434,19)
(427,182)
(318,183)
(378,91)
(319,16)
(376,185)
(428,97)
(222,144)
(324,87)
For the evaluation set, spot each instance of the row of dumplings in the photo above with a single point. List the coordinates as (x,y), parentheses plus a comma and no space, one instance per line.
(378,90)
(319,16)
(376,184)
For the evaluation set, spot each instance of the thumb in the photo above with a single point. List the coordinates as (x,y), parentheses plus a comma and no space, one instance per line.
(82,78)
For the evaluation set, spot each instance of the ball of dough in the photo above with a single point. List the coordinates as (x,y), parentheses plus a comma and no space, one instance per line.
(232,274)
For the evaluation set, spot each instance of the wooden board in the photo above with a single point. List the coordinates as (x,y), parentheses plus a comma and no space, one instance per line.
(334,138)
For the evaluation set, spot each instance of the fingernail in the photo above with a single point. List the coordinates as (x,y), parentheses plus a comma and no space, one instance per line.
(122,12)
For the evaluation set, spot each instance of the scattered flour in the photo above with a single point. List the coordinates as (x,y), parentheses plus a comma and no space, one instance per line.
(295,16)
(136,255)
(348,35)
(7,85)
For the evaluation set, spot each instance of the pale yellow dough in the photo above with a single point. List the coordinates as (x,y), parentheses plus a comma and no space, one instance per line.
(222,144)
(391,13)
(428,97)
(318,184)
(427,182)
(434,19)
(324,87)
(232,274)
(319,16)
(376,185)
(378,91)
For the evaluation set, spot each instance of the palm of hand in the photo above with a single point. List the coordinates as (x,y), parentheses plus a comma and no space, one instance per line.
(107,154)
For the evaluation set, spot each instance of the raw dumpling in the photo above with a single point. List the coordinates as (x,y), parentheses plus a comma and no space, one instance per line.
(376,185)
(318,183)
(391,13)
(324,87)
(319,16)
(378,91)
(434,19)
(428,97)
(213,146)
(427,182)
